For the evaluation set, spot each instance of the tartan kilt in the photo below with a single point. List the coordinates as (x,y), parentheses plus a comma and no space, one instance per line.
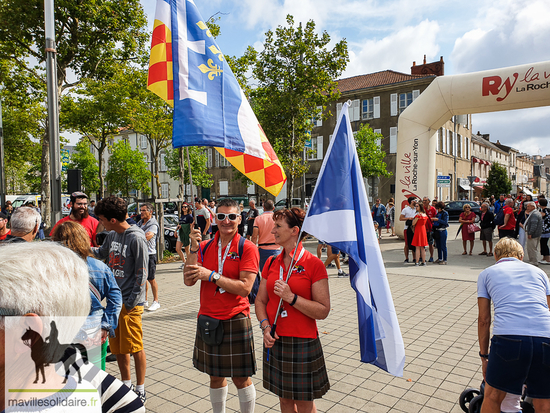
(234,357)
(296,369)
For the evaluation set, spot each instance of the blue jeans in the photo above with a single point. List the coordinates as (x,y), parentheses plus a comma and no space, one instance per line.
(441,245)
(265,254)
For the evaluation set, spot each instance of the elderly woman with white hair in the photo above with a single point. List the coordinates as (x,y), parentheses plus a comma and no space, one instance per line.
(520,346)
(45,286)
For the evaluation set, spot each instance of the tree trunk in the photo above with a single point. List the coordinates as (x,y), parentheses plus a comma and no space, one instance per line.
(100,165)
(45,182)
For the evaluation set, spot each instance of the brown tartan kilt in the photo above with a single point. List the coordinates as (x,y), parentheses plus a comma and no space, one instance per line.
(234,357)
(296,369)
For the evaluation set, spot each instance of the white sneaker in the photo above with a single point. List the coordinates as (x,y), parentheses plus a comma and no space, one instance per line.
(155,306)
(146,304)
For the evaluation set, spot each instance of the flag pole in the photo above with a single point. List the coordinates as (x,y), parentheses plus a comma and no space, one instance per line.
(289,273)
(190,181)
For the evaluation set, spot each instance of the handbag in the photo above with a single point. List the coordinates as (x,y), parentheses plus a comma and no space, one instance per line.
(473,228)
(435,233)
(210,330)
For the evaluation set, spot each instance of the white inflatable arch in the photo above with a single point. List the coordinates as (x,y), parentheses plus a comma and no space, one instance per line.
(517,87)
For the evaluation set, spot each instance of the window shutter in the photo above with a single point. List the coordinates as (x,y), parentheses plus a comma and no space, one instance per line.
(224,188)
(393,104)
(319,116)
(378,131)
(319,147)
(393,140)
(376,107)
(454,143)
(210,157)
(217,158)
(356,109)
(163,167)
(416,93)
(338,110)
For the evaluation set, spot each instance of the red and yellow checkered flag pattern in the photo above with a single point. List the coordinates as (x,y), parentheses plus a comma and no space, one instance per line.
(267,172)
(160,79)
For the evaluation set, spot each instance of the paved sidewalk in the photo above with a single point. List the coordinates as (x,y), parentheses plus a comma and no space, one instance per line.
(437,311)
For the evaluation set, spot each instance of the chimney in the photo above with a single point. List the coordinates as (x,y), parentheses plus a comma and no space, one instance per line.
(435,68)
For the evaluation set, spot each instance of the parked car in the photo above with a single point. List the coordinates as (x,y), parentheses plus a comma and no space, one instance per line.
(170,232)
(296,202)
(455,208)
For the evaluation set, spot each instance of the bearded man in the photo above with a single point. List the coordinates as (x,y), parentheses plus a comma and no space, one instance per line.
(79,213)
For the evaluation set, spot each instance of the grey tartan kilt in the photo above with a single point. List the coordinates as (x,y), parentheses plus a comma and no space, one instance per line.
(234,357)
(296,369)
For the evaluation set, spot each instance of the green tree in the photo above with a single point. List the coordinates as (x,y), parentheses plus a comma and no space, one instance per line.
(370,152)
(23,123)
(90,37)
(85,160)
(497,181)
(127,170)
(295,75)
(150,116)
(176,162)
(106,101)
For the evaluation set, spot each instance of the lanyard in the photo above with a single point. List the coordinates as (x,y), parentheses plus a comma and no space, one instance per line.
(220,261)
(281,269)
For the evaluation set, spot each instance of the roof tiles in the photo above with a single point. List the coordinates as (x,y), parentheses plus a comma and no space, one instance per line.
(385,77)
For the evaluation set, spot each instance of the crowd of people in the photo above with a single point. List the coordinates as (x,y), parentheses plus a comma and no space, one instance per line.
(266,265)
(426,225)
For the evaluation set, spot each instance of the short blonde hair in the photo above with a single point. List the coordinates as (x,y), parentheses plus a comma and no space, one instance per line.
(466,206)
(508,247)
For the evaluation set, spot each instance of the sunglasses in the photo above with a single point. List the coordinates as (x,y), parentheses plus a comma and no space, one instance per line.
(221,217)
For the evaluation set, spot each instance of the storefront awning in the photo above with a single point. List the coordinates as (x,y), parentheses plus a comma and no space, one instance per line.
(465,187)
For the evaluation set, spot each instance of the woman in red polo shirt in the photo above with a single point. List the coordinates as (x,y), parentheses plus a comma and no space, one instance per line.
(295,369)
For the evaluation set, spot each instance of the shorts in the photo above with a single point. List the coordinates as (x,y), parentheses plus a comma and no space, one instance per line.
(335,250)
(486,234)
(250,228)
(129,332)
(518,360)
(152,267)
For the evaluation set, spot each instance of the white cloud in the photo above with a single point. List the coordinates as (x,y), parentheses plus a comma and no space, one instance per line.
(523,129)
(396,51)
(510,33)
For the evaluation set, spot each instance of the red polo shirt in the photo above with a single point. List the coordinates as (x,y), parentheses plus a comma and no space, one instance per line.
(224,306)
(307,271)
(511,221)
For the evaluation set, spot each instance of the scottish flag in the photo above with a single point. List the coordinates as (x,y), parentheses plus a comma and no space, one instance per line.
(339,214)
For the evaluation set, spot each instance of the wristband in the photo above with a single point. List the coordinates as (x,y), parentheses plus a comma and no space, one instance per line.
(265,319)
(294,301)
(264,327)
(483,356)
(210,276)
(194,252)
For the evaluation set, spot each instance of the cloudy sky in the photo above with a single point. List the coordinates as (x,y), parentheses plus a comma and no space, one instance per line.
(471,35)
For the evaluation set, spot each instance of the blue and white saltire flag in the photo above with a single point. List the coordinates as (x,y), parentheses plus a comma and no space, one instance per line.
(339,214)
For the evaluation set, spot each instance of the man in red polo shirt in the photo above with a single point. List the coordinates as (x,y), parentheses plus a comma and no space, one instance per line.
(79,213)
(226,267)
(508,229)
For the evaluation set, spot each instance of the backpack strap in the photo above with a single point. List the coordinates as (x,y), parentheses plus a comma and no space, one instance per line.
(203,251)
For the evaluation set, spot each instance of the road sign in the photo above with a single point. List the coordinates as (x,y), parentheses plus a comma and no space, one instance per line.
(443,181)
